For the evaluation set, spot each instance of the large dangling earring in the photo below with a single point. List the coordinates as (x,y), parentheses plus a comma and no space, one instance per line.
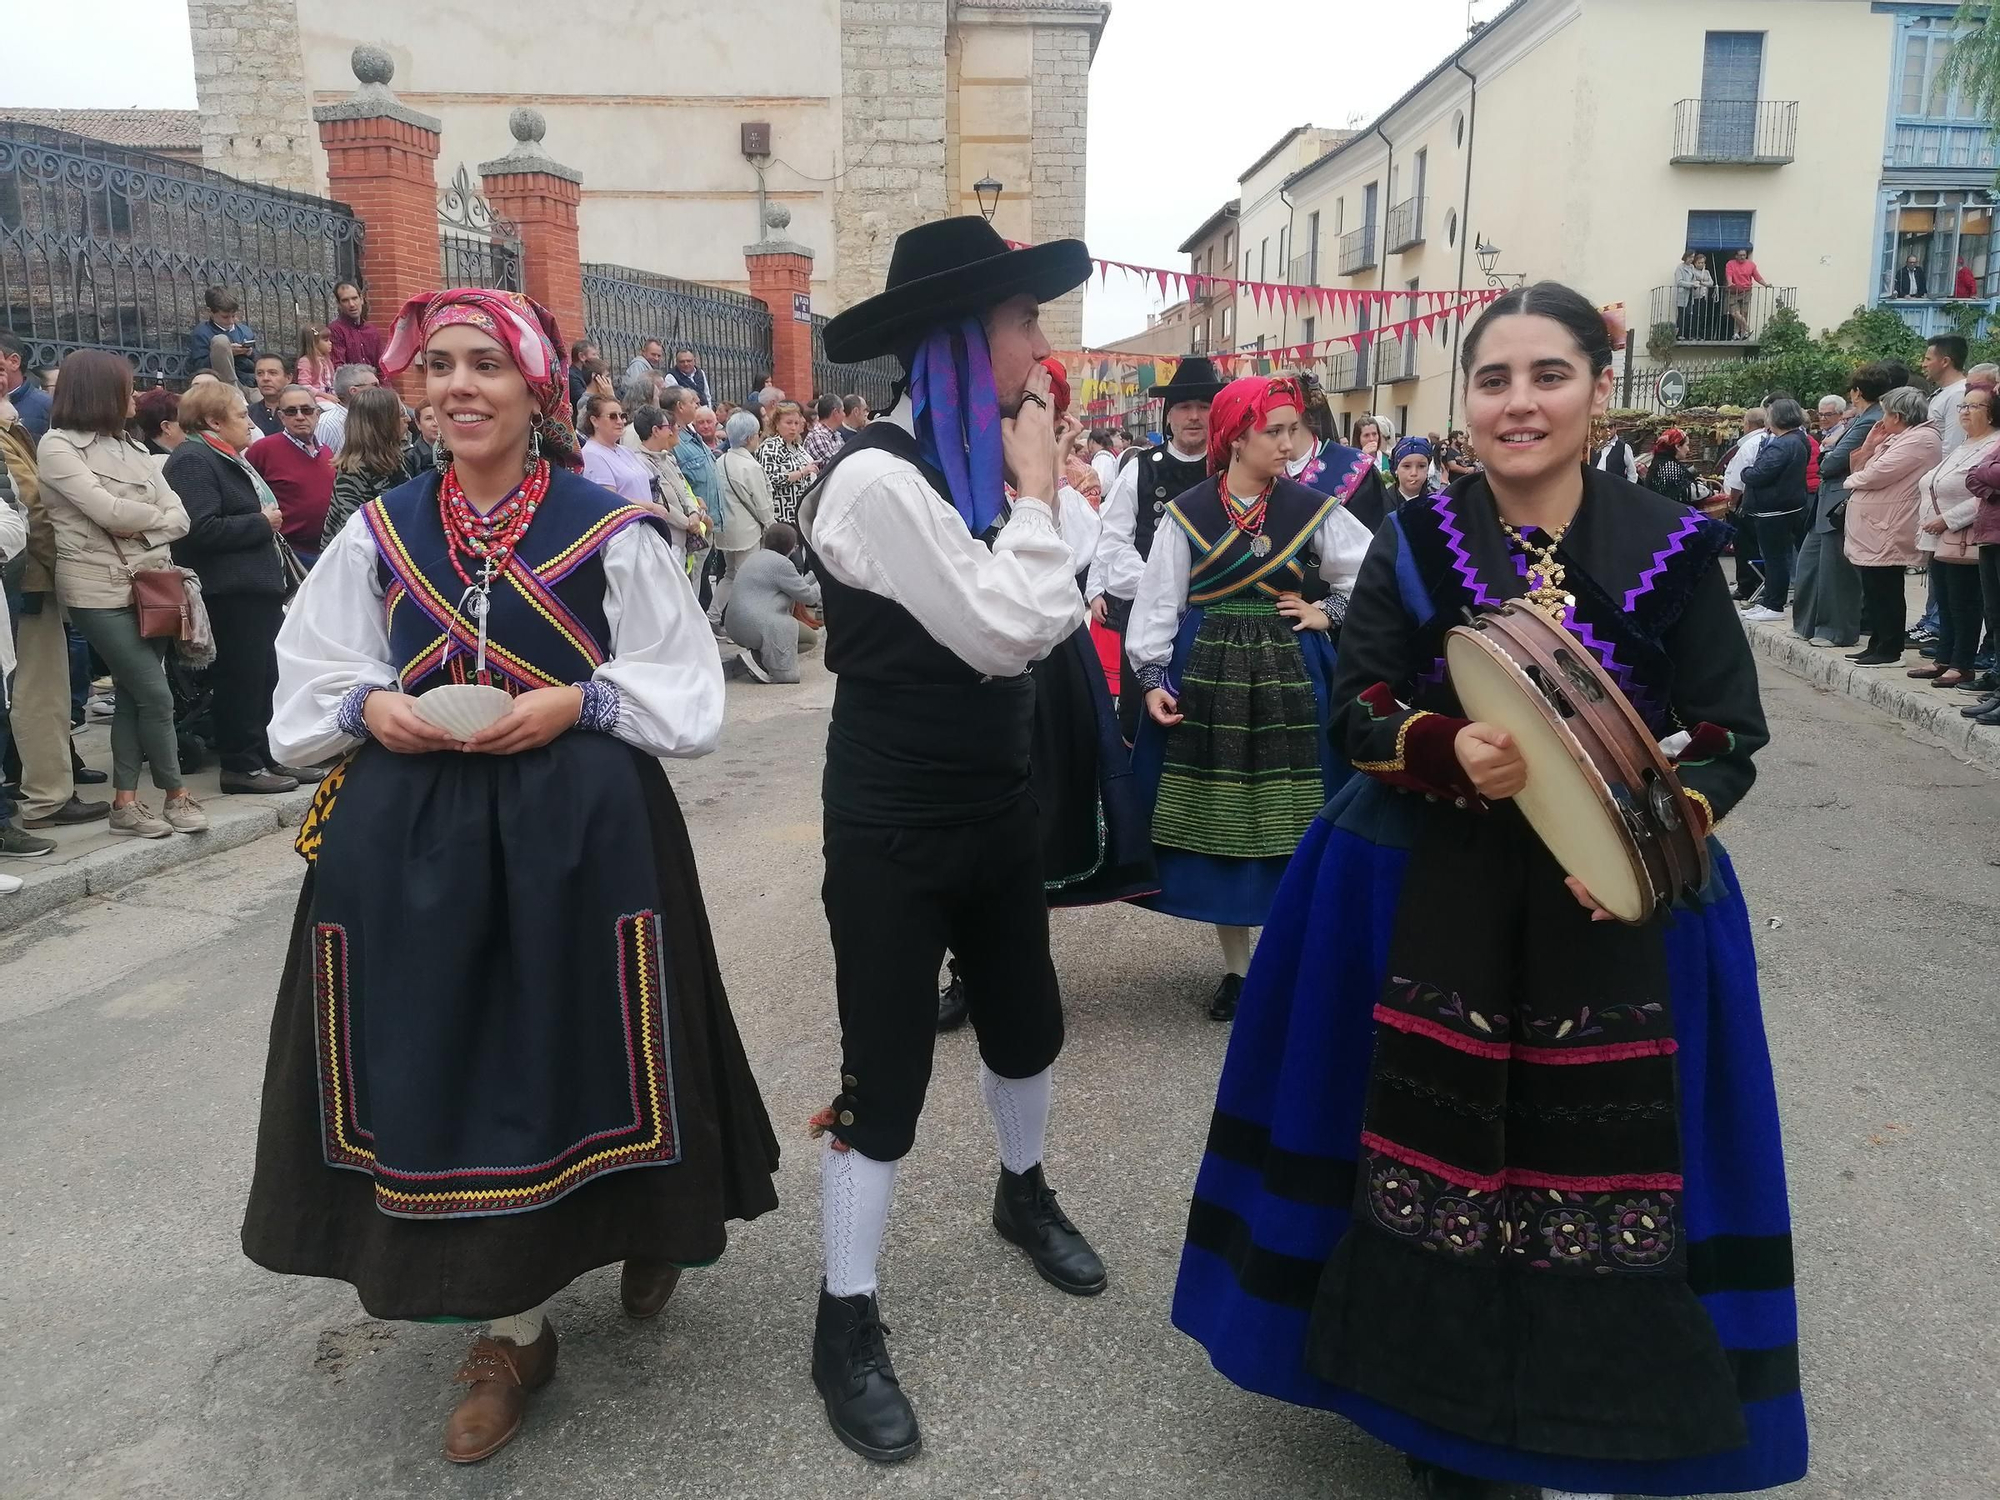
(534,447)
(440,455)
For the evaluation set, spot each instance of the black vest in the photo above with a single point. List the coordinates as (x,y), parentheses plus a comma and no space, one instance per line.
(916,735)
(1163,478)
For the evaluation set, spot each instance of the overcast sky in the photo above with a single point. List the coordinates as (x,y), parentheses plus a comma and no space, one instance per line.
(1183,96)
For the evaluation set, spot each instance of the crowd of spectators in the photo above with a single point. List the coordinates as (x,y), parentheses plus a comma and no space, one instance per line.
(243,478)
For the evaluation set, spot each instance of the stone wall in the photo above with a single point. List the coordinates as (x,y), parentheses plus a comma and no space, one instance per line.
(892,81)
(249,79)
(1061,111)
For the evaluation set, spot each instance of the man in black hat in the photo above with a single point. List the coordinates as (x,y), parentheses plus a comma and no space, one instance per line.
(1139,497)
(939,594)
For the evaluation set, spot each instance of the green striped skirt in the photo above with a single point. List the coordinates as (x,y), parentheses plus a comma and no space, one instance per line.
(1241,778)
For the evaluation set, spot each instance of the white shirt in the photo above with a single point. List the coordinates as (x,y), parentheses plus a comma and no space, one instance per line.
(1106,464)
(1944,415)
(1746,455)
(664,660)
(1081,526)
(1117,565)
(1630,468)
(331,433)
(1341,542)
(877,524)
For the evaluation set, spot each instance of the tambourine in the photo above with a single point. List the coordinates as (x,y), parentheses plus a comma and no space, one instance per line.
(1601,794)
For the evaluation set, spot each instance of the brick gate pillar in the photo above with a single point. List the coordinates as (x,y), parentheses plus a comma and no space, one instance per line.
(540,195)
(381,160)
(781,278)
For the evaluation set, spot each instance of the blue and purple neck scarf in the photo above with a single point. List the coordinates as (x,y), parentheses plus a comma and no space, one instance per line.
(956,414)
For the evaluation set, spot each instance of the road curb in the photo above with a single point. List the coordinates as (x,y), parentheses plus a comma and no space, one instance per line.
(1932,710)
(232,823)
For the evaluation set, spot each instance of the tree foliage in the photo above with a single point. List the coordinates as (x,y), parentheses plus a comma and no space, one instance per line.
(1790,359)
(1972,66)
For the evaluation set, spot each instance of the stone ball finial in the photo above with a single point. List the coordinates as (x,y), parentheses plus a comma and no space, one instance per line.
(527,125)
(372,65)
(777,216)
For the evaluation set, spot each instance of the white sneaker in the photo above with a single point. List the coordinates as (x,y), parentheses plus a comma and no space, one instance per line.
(135,820)
(10,884)
(754,667)
(184,815)
(1761,615)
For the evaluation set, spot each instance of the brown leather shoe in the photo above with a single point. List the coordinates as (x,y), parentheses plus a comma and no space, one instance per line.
(501,1373)
(645,1285)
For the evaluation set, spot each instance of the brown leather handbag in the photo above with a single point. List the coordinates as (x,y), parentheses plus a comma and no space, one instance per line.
(159,598)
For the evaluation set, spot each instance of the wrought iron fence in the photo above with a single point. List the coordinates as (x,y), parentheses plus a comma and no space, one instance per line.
(871,380)
(477,246)
(1638,385)
(730,332)
(1735,132)
(1357,250)
(107,248)
(1348,370)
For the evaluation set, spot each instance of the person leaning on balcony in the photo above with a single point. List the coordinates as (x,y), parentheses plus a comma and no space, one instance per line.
(114,515)
(1881,519)
(1964,283)
(1946,508)
(1913,280)
(1742,274)
(233,520)
(1694,295)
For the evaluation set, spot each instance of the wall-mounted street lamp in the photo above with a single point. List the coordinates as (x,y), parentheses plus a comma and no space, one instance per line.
(988,190)
(1489,256)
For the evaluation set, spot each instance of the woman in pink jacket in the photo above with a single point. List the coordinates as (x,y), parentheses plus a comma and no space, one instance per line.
(1984,535)
(1945,510)
(1881,522)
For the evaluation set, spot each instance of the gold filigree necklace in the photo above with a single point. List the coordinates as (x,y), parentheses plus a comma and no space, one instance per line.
(1545,574)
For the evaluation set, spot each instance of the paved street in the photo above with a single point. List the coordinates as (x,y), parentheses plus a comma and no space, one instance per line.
(146,1357)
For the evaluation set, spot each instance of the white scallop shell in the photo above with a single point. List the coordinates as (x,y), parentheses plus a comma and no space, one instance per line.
(463,709)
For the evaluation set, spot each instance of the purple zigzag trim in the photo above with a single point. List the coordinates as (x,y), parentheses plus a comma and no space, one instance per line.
(1455,540)
(1607,654)
(1689,525)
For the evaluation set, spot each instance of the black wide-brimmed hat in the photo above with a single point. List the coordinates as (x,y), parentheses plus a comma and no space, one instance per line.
(1194,380)
(952,268)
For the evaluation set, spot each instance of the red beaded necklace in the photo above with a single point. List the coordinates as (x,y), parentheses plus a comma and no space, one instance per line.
(1248,518)
(488,541)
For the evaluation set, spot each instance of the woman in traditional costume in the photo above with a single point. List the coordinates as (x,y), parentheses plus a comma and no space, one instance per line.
(1326,464)
(1231,637)
(501,1055)
(1493,1176)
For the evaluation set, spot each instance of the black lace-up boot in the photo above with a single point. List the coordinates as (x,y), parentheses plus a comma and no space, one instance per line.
(864,1402)
(1026,1214)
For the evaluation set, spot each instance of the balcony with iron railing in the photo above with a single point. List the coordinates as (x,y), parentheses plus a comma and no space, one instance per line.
(1357,250)
(1305,268)
(1735,132)
(1405,226)
(1723,317)
(1348,370)
(1395,359)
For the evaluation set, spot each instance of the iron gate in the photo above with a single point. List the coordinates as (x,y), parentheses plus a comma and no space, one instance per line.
(730,332)
(475,245)
(107,248)
(871,380)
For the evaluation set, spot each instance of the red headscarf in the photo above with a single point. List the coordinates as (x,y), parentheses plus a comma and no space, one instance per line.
(1242,407)
(1058,384)
(525,329)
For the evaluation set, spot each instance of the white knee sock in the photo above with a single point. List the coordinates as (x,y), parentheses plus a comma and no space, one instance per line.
(854,1194)
(1020,1110)
(523,1328)
(1235,949)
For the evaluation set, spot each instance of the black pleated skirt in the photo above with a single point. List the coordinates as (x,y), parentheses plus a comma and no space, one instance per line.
(309,1217)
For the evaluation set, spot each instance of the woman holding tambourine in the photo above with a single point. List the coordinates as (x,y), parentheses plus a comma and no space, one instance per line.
(1491,1174)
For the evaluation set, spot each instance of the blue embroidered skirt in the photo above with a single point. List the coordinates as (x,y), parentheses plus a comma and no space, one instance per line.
(1276,1186)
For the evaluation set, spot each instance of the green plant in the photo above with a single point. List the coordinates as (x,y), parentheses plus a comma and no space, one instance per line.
(1791,359)
(1661,340)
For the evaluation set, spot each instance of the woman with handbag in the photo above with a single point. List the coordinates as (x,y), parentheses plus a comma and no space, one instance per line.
(114,517)
(232,544)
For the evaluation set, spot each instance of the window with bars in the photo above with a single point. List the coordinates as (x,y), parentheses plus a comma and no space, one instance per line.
(1725,230)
